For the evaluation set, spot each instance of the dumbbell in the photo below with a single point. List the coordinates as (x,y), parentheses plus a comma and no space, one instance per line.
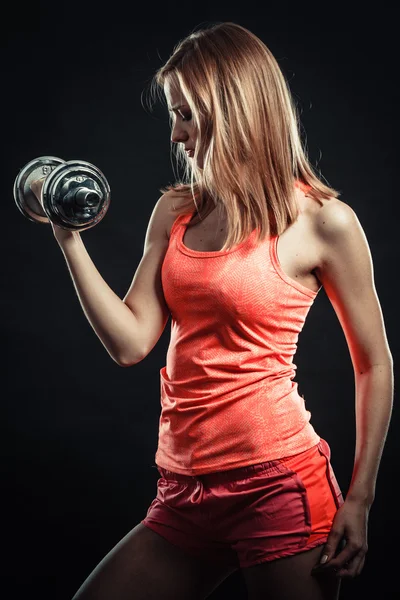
(75,194)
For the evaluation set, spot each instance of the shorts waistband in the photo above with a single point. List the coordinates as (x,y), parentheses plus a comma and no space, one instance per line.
(222,476)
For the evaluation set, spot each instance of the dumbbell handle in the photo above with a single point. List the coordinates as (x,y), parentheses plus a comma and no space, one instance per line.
(36,187)
(63,236)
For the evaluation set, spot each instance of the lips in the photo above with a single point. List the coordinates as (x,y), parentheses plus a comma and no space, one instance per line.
(190,151)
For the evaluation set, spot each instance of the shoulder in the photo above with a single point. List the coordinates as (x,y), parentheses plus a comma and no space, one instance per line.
(334,218)
(339,235)
(169,202)
(334,224)
(325,218)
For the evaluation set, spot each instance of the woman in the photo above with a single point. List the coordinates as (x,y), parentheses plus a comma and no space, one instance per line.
(246,481)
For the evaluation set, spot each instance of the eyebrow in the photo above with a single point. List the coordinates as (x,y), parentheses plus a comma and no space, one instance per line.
(177,107)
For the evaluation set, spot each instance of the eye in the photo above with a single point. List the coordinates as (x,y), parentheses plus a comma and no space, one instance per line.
(184,119)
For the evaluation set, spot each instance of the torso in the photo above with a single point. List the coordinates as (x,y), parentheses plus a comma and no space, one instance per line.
(299,248)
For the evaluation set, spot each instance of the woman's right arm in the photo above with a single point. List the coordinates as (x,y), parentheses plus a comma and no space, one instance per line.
(129,328)
(114,323)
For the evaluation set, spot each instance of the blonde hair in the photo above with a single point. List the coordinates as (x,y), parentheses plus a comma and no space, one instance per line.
(248,131)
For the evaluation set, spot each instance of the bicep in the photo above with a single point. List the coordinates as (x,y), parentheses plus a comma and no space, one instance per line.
(346,272)
(145,295)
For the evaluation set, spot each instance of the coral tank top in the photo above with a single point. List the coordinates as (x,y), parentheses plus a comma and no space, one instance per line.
(228,398)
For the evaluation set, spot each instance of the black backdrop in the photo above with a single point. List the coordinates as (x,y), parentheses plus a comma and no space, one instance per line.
(80,433)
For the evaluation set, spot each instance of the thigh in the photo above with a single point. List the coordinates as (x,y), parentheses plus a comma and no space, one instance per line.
(145,566)
(290,578)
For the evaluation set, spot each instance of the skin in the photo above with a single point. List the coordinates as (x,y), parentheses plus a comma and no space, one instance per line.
(62,235)
(183,130)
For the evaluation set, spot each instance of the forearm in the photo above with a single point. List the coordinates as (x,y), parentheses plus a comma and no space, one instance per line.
(373,407)
(112,320)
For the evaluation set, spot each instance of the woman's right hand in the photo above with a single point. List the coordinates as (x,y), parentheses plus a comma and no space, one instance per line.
(61,235)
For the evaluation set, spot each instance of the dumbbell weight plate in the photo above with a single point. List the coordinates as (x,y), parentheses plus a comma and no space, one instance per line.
(93,195)
(24,198)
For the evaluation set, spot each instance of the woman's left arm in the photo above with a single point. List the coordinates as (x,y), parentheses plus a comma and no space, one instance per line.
(347,275)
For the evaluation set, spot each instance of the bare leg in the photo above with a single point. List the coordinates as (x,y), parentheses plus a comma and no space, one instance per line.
(145,566)
(290,578)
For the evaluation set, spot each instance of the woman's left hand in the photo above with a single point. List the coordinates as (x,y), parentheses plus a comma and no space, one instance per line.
(350,525)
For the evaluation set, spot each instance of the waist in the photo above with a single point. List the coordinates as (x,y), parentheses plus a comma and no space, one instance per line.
(201,433)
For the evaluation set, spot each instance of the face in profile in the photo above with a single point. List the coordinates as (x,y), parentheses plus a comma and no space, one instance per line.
(183,130)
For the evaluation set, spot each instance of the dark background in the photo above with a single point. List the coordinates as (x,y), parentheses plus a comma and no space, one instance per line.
(80,432)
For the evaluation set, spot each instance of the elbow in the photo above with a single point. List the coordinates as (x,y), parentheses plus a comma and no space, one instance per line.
(123,362)
(360,369)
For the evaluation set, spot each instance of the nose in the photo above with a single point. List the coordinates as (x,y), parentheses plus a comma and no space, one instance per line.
(178,135)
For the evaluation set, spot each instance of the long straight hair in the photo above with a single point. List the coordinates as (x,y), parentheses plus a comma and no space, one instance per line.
(248,132)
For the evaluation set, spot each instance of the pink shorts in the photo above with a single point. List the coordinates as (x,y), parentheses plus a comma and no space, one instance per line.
(252,514)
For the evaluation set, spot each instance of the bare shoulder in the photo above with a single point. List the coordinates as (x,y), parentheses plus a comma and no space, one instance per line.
(160,220)
(336,227)
(332,216)
(170,201)
(333,220)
